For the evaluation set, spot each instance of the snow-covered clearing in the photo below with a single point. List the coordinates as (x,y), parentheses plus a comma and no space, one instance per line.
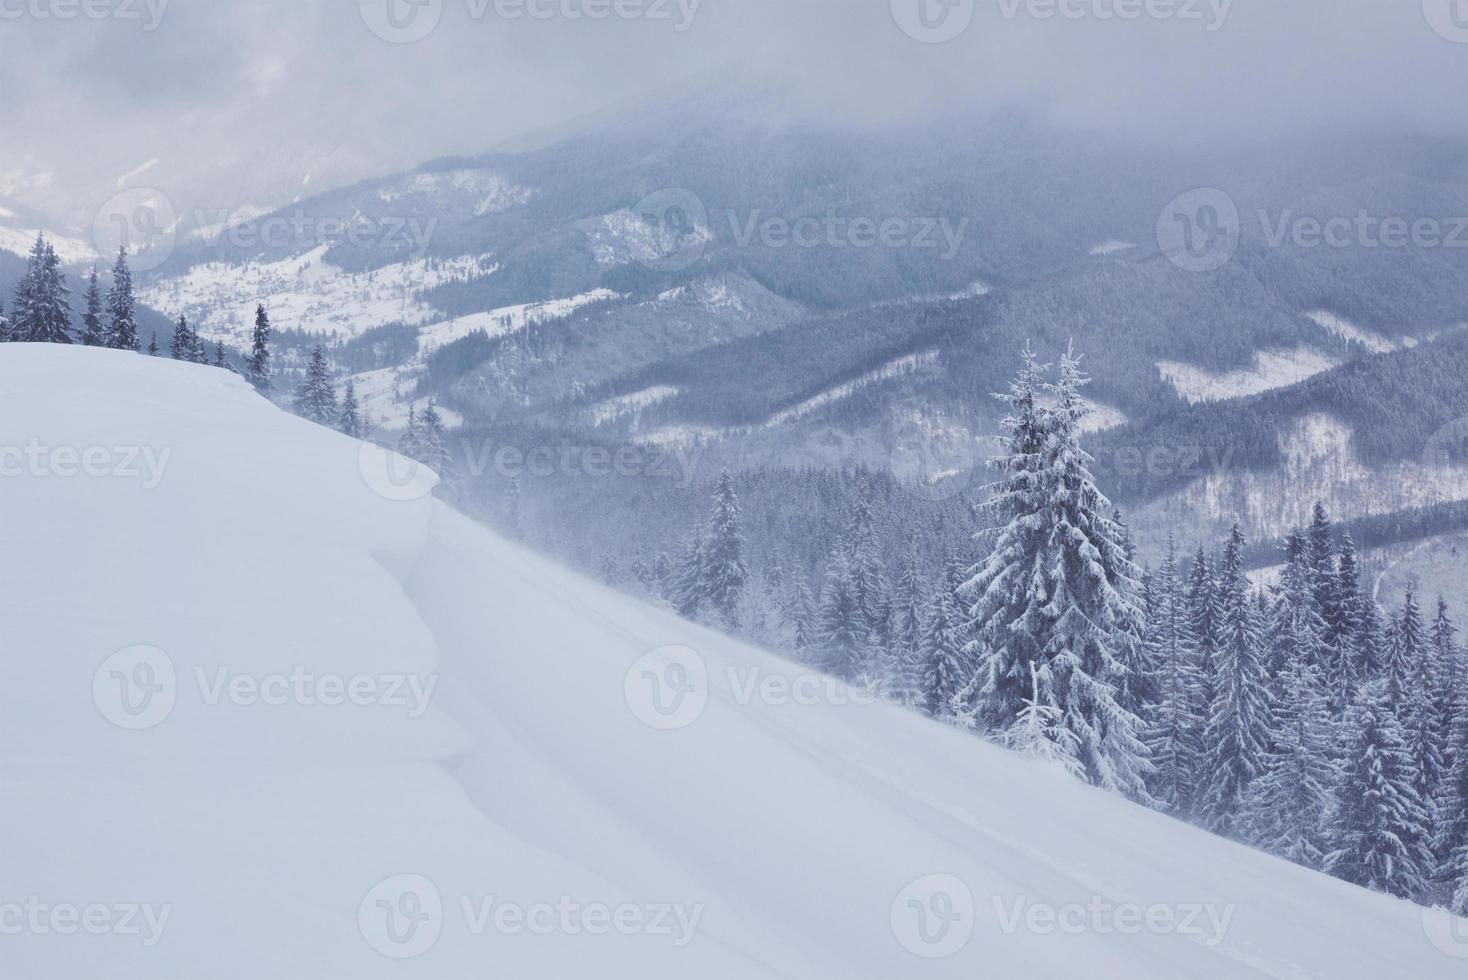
(507,319)
(1271,370)
(71,251)
(612,409)
(305,292)
(1339,326)
(896,368)
(1111,247)
(618,785)
(1319,463)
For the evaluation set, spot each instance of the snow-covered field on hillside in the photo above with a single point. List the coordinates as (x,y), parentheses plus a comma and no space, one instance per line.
(1271,370)
(268,709)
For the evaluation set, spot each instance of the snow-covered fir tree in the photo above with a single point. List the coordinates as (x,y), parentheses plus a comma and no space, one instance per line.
(948,669)
(1203,625)
(122,324)
(1378,824)
(153,347)
(42,312)
(350,419)
(685,585)
(1175,732)
(1239,720)
(315,398)
(184,341)
(724,569)
(1344,621)
(1450,841)
(841,636)
(1057,598)
(1287,804)
(257,367)
(94,331)
(904,675)
(1040,731)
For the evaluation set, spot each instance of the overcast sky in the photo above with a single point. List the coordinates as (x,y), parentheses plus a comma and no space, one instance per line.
(223,104)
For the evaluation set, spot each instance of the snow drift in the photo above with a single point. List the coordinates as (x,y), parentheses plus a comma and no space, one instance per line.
(268,709)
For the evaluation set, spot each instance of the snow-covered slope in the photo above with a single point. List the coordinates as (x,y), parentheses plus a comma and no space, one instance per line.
(530,776)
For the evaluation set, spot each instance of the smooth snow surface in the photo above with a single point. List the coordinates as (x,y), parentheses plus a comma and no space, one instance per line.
(548,771)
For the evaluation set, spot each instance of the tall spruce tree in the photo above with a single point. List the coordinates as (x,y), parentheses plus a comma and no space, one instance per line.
(122,325)
(1239,721)
(947,668)
(841,633)
(1203,626)
(350,420)
(725,572)
(182,347)
(1175,734)
(1378,823)
(257,367)
(42,312)
(315,398)
(1287,804)
(94,332)
(1058,598)
(686,585)
(1344,623)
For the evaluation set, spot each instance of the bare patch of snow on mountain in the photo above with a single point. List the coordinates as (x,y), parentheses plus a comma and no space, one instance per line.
(908,364)
(1319,463)
(507,319)
(1341,327)
(623,237)
(1271,370)
(494,192)
(613,409)
(1101,417)
(69,250)
(307,293)
(1111,247)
